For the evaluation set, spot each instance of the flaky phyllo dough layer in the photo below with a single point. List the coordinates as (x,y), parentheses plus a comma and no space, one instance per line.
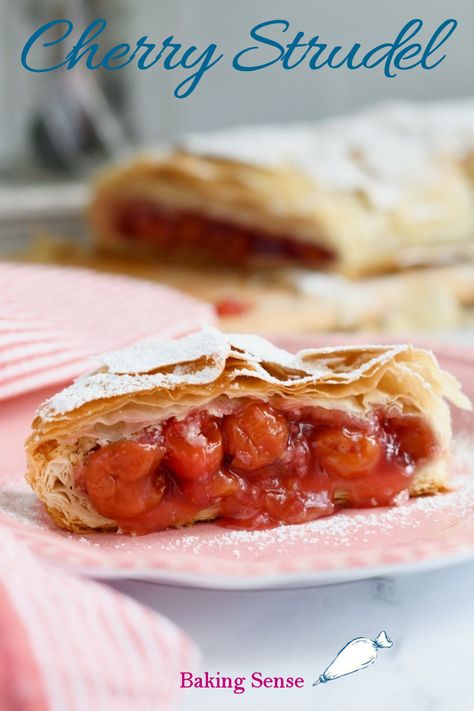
(378,190)
(152,381)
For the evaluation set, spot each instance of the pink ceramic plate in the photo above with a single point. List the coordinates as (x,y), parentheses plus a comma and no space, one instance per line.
(428,532)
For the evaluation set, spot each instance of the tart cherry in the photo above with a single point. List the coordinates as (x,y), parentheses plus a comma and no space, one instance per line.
(346,453)
(294,504)
(122,479)
(194,447)
(255,468)
(231,307)
(225,484)
(256,436)
(414,435)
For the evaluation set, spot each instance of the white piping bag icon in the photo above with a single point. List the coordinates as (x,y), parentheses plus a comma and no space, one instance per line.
(357,654)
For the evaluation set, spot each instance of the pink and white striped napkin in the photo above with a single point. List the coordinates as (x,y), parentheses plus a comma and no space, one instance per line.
(53,319)
(69,643)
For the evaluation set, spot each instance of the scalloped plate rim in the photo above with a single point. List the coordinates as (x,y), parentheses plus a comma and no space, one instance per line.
(432,557)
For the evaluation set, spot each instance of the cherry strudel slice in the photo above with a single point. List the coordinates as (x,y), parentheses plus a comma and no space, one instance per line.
(361,194)
(230,428)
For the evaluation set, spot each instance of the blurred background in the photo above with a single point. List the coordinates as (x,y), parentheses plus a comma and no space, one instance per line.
(43,127)
(59,129)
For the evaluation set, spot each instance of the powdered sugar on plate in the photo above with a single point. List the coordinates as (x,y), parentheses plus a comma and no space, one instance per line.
(435,530)
(370,530)
(342,528)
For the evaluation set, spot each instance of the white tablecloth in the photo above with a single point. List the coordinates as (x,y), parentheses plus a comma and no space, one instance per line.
(429,616)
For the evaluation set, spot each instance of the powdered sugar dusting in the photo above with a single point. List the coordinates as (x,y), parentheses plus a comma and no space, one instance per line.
(437,526)
(201,358)
(24,507)
(259,349)
(380,151)
(341,528)
(108,385)
(49,331)
(370,528)
(156,353)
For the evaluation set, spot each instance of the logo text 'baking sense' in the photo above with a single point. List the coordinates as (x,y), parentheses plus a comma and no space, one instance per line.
(358,654)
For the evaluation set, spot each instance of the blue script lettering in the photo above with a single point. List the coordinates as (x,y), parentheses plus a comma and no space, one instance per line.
(45,30)
(440,37)
(88,51)
(254,34)
(401,54)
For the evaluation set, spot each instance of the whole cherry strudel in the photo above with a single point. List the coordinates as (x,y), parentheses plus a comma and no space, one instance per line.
(232,428)
(367,193)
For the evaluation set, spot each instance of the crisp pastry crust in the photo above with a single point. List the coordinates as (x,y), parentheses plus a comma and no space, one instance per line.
(363,194)
(147,384)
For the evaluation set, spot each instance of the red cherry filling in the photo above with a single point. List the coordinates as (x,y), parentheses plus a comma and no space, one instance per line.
(346,453)
(123,479)
(257,467)
(255,436)
(415,434)
(148,224)
(194,447)
(231,307)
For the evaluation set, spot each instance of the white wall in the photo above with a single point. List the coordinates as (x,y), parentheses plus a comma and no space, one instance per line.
(226,97)
(16,86)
